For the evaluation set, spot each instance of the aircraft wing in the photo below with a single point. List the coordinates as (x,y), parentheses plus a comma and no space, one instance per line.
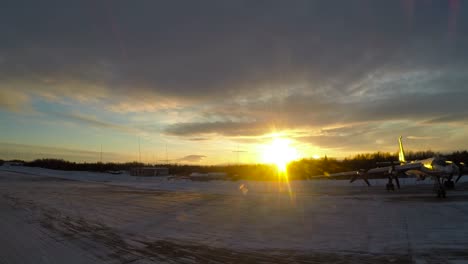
(343,174)
(353,174)
(379,170)
(398,168)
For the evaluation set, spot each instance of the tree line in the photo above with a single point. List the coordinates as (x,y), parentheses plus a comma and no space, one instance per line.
(301,169)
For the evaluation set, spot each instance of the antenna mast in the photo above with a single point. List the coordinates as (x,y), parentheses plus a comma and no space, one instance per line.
(139,150)
(167,160)
(238,152)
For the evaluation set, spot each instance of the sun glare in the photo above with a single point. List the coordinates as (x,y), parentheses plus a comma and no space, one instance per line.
(280,153)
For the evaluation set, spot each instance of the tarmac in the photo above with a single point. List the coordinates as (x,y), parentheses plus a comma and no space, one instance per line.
(51,219)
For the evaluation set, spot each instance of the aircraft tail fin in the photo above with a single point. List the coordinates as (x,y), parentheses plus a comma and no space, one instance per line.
(401,154)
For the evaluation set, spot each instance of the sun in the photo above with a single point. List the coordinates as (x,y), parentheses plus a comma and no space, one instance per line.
(279,152)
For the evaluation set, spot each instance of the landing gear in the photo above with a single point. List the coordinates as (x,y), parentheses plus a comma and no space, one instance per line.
(390,186)
(449,184)
(441,193)
(440,188)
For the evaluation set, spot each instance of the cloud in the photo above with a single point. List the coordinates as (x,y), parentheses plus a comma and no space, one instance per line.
(421,138)
(31,152)
(455,118)
(415,101)
(226,128)
(192,158)
(95,122)
(214,50)
(14,101)
(198,139)
(242,69)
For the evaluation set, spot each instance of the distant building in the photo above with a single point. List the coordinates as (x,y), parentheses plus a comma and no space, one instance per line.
(13,163)
(208,176)
(149,171)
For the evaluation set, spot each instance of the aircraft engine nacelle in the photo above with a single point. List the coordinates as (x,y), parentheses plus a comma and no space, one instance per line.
(445,167)
(420,176)
(449,169)
(455,169)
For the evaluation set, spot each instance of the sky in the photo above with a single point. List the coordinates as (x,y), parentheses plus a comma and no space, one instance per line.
(212,82)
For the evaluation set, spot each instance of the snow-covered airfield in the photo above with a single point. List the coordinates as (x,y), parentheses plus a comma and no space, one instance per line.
(49,216)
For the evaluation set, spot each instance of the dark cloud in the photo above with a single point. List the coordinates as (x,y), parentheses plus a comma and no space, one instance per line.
(198,139)
(216,48)
(383,136)
(460,118)
(92,121)
(243,68)
(192,158)
(220,128)
(305,112)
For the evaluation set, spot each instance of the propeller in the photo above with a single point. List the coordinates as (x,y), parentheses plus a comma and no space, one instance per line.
(361,174)
(461,168)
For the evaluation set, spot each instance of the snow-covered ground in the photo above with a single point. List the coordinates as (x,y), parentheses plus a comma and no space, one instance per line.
(120,218)
(220,187)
